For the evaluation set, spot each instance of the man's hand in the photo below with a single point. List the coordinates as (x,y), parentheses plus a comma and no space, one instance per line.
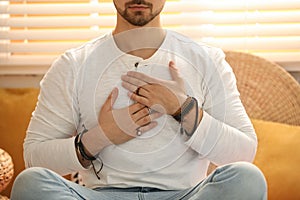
(120,125)
(164,96)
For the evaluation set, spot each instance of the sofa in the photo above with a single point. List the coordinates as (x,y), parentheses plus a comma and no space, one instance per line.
(279,136)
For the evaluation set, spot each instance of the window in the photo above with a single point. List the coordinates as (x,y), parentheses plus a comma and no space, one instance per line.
(34,32)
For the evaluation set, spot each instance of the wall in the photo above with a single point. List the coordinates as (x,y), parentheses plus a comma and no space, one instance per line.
(296,75)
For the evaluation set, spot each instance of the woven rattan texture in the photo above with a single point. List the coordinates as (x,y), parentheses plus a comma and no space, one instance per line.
(268,92)
(6,169)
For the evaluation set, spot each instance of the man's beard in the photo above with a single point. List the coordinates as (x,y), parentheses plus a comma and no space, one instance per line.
(138,18)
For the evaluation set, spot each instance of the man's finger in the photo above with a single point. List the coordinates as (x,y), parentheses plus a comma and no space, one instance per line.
(141,77)
(146,118)
(111,99)
(128,86)
(148,127)
(154,115)
(141,99)
(132,80)
(174,71)
(142,113)
(135,107)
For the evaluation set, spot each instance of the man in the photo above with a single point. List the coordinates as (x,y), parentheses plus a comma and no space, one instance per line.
(140,112)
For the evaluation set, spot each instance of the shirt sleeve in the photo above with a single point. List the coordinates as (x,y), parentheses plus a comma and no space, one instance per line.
(225,133)
(49,140)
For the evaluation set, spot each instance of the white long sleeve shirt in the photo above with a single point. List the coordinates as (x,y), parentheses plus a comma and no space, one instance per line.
(77,85)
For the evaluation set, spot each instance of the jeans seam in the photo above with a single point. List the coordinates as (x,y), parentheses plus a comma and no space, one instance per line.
(141,196)
(77,193)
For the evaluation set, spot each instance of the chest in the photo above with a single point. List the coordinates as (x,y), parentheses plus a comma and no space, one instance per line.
(97,83)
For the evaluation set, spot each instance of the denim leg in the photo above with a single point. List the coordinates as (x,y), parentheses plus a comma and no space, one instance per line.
(235,181)
(41,183)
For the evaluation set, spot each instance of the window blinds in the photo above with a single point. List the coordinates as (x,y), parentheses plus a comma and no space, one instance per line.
(34,32)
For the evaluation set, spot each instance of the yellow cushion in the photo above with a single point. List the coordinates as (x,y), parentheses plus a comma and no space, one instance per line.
(16,106)
(278,156)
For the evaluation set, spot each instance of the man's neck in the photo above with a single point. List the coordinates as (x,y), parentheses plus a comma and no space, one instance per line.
(139,41)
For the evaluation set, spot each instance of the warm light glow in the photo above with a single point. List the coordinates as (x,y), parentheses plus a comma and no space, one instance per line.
(36,31)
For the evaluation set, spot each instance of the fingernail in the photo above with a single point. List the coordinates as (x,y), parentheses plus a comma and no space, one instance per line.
(114,91)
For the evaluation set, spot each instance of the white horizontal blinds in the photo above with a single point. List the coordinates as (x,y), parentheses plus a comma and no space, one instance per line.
(268,28)
(34,32)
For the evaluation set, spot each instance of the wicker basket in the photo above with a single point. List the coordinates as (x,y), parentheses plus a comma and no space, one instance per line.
(267,91)
(3,198)
(6,169)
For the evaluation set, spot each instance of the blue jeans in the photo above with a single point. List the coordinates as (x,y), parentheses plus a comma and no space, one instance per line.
(239,180)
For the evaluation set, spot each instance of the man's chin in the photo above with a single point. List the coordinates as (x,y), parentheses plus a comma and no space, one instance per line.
(139,23)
